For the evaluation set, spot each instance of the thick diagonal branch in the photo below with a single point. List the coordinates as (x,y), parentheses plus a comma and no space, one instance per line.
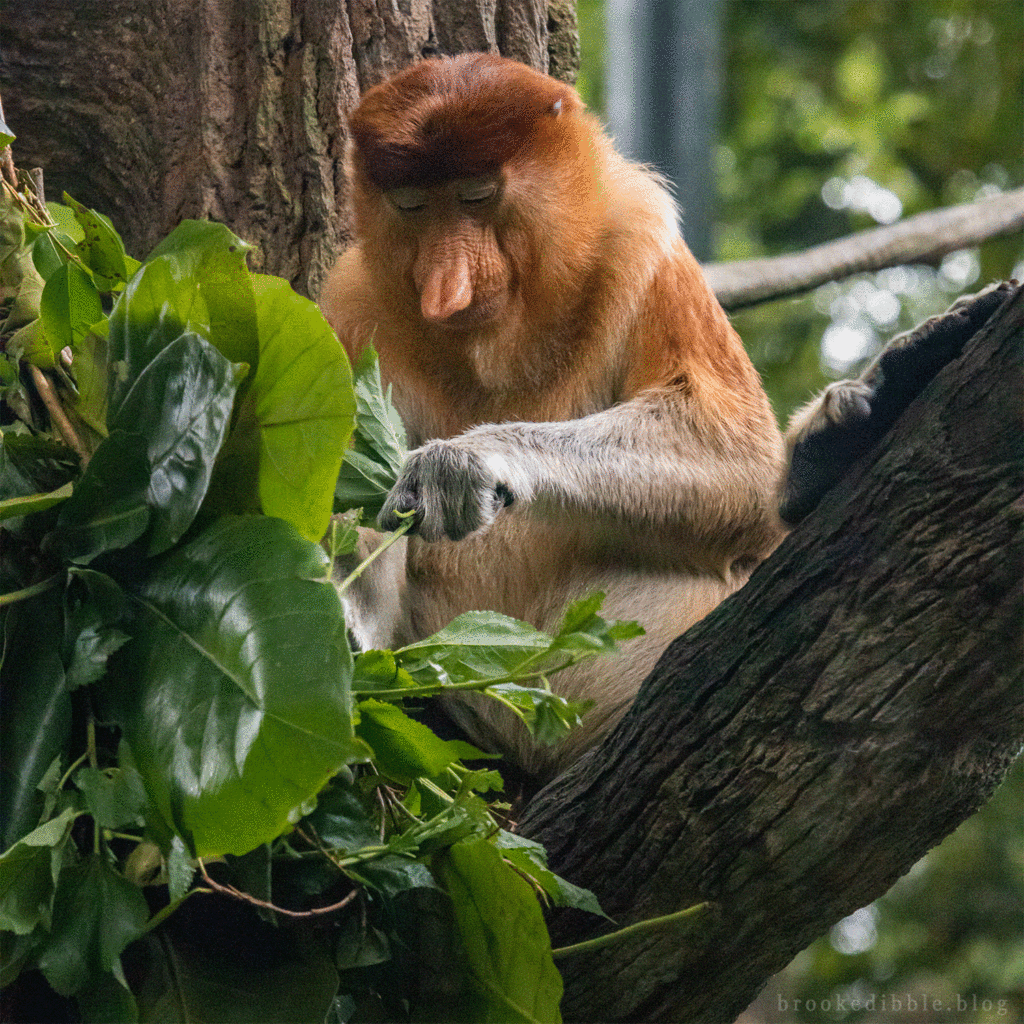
(805,744)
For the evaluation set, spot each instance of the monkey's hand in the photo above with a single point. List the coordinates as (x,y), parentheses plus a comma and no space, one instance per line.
(830,433)
(451,490)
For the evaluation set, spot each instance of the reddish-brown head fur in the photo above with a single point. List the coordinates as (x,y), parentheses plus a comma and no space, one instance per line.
(454,118)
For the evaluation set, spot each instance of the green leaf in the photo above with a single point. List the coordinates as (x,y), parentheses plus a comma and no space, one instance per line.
(182,403)
(391,875)
(69,306)
(21,278)
(178,410)
(6,135)
(532,859)
(506,942)
(29,344)
(210,260)
(372,464)
(36,724)
(50,251)
(361,945)
(190,981)
(583,630)
(108,509)
(195,281)
(403,748)
(181,869)
(64,217)
(479,644)
(93,603)
(304,406)
(29,503)
(101,248)
(342,819)
(28,874)
(234,692)
(91,376)
(547,715)
(115,799)
(31,464)
(377,670)
(96,913)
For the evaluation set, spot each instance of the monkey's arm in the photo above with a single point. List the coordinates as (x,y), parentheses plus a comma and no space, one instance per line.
(833,430)
(643,462)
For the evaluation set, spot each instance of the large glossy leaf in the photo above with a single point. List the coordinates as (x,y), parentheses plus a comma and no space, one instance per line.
(212,259)
(304,407)
(93,606)
(195,280)
(182,403)
(154,468)
(234,691)
(108,509)
(36,724)
(504,936)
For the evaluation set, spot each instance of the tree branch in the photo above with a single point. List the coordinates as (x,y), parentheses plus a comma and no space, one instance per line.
(798,750)
(921,239)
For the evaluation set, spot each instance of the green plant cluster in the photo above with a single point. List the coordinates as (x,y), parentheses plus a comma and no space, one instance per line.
(184,724)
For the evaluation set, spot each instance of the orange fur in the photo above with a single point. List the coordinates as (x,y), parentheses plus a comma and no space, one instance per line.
(567,299)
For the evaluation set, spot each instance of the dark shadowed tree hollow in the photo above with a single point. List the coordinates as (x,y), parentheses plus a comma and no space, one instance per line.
(797,751)
(794,753)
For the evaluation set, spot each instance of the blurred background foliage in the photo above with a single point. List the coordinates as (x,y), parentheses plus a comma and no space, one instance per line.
(839,115)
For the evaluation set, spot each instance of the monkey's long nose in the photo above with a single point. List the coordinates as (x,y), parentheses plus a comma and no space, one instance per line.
(447,289)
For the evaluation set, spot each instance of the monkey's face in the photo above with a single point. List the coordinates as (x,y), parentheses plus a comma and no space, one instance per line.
(447,238)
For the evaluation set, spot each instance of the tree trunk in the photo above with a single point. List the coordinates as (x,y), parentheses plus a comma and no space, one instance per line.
(797,751)
(155,112)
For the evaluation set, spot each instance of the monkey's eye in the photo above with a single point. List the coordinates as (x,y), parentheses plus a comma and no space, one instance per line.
(477,190)
(408,200)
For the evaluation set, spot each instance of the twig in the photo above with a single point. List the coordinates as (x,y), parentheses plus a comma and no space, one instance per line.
(650,924)
(58,417)
(392,538)
(230,890)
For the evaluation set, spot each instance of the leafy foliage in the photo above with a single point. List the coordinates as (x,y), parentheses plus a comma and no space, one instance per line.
(184,723)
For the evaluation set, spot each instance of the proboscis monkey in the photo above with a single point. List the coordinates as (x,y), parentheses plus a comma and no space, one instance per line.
(584,415)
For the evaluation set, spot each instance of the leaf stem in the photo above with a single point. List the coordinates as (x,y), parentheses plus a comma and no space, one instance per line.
(67,774)
(23,595)
(403,529)
(632,929)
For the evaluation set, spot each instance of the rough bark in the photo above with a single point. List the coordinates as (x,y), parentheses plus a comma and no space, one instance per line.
(154,112)
(802,747)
